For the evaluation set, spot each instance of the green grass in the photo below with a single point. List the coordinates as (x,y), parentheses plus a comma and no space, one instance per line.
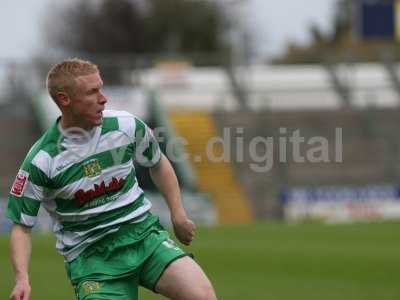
(262,261)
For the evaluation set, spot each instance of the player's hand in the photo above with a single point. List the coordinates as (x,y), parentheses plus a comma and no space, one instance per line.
(184,229)
(21,291)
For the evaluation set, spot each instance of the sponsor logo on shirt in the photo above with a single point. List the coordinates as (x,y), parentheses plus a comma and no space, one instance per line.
(19,183)
(99,189)
(92,168)
(90,287)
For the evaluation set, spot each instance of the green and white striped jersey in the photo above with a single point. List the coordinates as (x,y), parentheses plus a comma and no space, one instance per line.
(88,187)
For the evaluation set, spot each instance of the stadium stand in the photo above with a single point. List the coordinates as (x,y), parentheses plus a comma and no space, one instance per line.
(295,97)
(214,177)
(369,151)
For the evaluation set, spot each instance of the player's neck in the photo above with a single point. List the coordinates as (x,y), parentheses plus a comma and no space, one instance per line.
(67,123)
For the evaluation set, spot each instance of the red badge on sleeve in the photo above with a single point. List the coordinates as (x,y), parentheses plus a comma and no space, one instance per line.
(19,183)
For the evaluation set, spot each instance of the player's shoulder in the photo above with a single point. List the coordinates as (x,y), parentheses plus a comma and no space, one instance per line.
(41,152)
(109,113)
(119,119)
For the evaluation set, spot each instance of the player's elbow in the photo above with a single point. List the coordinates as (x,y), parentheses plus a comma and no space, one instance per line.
(206,293)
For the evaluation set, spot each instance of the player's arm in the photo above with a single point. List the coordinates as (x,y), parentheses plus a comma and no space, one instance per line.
(164,177)
(149,155)
(26,195)
(20,247)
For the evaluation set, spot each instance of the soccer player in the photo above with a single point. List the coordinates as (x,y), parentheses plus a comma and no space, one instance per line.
(81,171)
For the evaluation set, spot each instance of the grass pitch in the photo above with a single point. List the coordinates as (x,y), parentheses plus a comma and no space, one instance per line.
(261,261)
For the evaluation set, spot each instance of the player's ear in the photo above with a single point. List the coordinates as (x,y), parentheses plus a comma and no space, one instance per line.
(63,99)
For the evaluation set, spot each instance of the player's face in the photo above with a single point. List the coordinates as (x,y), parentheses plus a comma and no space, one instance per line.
(88,101)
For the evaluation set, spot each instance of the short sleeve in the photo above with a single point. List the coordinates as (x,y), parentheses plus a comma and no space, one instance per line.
(147,149)
(26,195)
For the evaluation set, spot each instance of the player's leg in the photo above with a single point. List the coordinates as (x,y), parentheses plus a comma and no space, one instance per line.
(172,273)
(183,279)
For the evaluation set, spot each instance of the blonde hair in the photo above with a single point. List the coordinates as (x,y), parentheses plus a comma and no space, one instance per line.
(61,77)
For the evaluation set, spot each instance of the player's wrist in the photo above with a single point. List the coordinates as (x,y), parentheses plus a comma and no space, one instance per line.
(178,217)
(22,277)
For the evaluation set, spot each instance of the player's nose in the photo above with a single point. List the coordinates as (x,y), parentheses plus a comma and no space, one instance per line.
(102,98)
